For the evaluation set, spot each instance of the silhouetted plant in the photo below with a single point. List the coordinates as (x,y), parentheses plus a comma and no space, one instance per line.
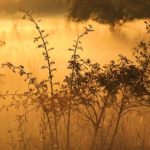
(12,142)
(71,80)
(44,45)
(41,94)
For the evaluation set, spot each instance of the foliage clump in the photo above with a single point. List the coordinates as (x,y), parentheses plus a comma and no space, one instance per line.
(110,12)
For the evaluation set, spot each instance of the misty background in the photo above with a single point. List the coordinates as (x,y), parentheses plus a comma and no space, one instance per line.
(100,46)
(18,36)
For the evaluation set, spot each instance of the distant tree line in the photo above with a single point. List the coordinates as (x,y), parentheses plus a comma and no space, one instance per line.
(110,12)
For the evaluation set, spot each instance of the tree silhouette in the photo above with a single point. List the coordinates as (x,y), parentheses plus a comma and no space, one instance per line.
(109,11)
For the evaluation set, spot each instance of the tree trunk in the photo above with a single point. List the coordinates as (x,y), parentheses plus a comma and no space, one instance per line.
(117,125)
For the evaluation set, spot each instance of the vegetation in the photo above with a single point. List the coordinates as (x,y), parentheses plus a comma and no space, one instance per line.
(110,12)
(87,110)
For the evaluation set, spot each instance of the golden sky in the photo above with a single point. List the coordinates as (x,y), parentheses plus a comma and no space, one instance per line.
(18,35)
(41,6)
